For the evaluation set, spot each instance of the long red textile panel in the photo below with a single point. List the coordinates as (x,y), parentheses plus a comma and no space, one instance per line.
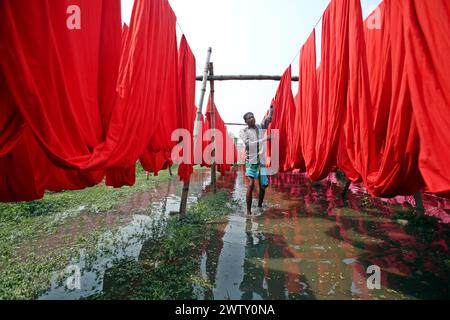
(397,142)
(389,165)
(160,145)
(37,52)
(320,113)
(67,112)
(427,26)
(186,109)
(378,107)
(358,134)
(333,74)
(225,150)
(26,173)
(53,71)
(94,98)
(283,120)
(11,122)
(308,105)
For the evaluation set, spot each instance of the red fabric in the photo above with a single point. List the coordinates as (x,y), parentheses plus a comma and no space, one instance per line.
(225,156)
(367,120)
(283,120)
(357,154)
(79,104)
(427,26)
(397,144)
(67,116)
(186,110)
(11,122)
(26,172)
(332,88)
(308,104)
(165,104)
(55,80)
(381,141)
(62,85)
(32,68)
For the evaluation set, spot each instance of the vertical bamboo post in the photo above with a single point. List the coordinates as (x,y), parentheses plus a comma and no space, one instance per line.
(346,188)
(420,211)
(213,128)
(184,196)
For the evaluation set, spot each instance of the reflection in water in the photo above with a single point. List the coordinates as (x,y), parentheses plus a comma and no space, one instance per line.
(309,243)
(142,210)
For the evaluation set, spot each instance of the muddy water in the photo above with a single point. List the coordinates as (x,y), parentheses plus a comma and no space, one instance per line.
(133,220)
(308,243)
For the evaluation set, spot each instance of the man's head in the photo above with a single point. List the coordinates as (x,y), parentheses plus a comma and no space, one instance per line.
(249,119)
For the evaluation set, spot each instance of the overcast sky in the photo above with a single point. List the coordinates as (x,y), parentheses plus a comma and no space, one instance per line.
(247,37)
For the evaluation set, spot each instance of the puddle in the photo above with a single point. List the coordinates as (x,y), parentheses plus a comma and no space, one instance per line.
(311,244)
(134,219)
(308,243)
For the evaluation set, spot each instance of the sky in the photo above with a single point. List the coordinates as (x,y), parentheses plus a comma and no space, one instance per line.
(247,37)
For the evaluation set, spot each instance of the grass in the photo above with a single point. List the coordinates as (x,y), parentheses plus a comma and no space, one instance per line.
(168,267)
(25,268)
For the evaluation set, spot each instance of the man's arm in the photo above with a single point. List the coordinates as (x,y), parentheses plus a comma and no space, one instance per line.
(260,142)
(268,120)
(249,143)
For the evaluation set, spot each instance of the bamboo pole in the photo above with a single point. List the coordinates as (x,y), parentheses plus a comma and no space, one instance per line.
(184,196)
(420,211)
(346,188)
(213,128)
(236,124)
(244,78)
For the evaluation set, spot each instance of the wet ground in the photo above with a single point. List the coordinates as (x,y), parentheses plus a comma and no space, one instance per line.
(133,221)
(307,243)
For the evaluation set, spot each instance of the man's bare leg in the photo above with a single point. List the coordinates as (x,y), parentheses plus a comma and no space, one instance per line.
(262,193)
(251,186)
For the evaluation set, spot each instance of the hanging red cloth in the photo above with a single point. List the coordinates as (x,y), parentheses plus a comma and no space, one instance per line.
(308,104)
(53,72)
(357,154)
(30,72)
(396,136)
(26,173)
(66,91)
(150,80)
(427,26)
(283,120)
(186,110)
(66,117)
(225,148)
(379,141)
(332,87)
(11,122)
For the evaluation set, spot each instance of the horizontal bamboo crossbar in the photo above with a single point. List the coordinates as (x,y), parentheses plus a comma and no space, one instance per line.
(235,124)
(244,78)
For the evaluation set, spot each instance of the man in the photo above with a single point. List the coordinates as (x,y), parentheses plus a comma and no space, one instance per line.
(253,137)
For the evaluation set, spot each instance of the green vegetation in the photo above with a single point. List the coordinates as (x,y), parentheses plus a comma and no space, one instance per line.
(42,236)
(168,267)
